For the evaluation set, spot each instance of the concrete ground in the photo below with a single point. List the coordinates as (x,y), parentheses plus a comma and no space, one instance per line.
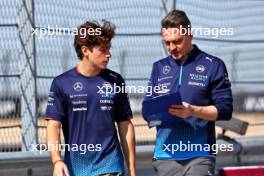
(11,137)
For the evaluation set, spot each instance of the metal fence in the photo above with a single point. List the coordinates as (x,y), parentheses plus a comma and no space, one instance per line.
(29,62)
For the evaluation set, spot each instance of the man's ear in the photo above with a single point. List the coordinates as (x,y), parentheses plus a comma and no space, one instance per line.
(85,51)
(189,37)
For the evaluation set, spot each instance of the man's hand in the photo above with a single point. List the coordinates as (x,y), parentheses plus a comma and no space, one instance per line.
(60,169)
(185,110)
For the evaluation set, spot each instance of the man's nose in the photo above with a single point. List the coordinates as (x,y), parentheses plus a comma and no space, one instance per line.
(172,46)
(108,54)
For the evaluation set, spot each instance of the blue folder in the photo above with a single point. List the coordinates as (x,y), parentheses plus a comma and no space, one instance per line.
(156,110)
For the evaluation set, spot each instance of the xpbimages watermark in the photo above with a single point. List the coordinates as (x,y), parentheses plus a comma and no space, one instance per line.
(51,31)
(108,89)
(81,148)
(199,31)
(191,147)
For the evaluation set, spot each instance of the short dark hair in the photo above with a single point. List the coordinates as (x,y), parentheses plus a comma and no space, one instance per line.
(100,35)
(174,19)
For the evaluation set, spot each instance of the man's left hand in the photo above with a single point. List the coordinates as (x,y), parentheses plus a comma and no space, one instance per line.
(185,110)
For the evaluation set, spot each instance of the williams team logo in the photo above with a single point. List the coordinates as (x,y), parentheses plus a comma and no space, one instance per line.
(106,90)
(78,86)
(166,69)
(200,68)
(107,85)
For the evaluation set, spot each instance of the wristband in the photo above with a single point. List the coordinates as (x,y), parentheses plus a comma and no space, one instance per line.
(57,162)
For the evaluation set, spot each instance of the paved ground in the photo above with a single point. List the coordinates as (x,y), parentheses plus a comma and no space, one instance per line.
(11,137)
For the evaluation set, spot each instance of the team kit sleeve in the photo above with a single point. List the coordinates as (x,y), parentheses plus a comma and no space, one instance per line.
(55,110)
(123,110)
(221,92)
(149,91)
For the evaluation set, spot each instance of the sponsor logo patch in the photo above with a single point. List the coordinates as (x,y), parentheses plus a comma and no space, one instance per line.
(200,68)
(78,86)
(166,69)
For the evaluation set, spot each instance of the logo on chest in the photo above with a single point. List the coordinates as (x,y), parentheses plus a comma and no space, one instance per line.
(197,80)
(198,77)
(200,68)
(166,69)
(78,86)
(106,92)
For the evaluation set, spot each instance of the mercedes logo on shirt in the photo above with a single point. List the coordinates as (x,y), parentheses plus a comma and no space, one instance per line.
(166,69)
(78,86)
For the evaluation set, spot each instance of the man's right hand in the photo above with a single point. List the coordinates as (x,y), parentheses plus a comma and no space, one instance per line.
(60,169)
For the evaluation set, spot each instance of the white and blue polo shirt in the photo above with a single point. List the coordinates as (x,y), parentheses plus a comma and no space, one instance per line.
(88,115)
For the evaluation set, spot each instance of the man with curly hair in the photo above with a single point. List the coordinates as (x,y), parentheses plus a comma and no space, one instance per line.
(79,101)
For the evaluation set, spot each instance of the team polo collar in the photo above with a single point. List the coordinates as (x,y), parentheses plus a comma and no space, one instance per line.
(190,56)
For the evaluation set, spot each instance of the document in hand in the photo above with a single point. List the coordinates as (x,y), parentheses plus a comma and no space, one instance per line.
(156,110)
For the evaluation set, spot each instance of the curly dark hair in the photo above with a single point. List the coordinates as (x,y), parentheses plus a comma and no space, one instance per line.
(95,35)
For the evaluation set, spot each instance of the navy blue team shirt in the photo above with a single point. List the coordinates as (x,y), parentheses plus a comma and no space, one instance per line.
(202,80)
(88,115)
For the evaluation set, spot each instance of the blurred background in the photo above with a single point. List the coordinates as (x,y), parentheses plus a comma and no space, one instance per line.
(29,62)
